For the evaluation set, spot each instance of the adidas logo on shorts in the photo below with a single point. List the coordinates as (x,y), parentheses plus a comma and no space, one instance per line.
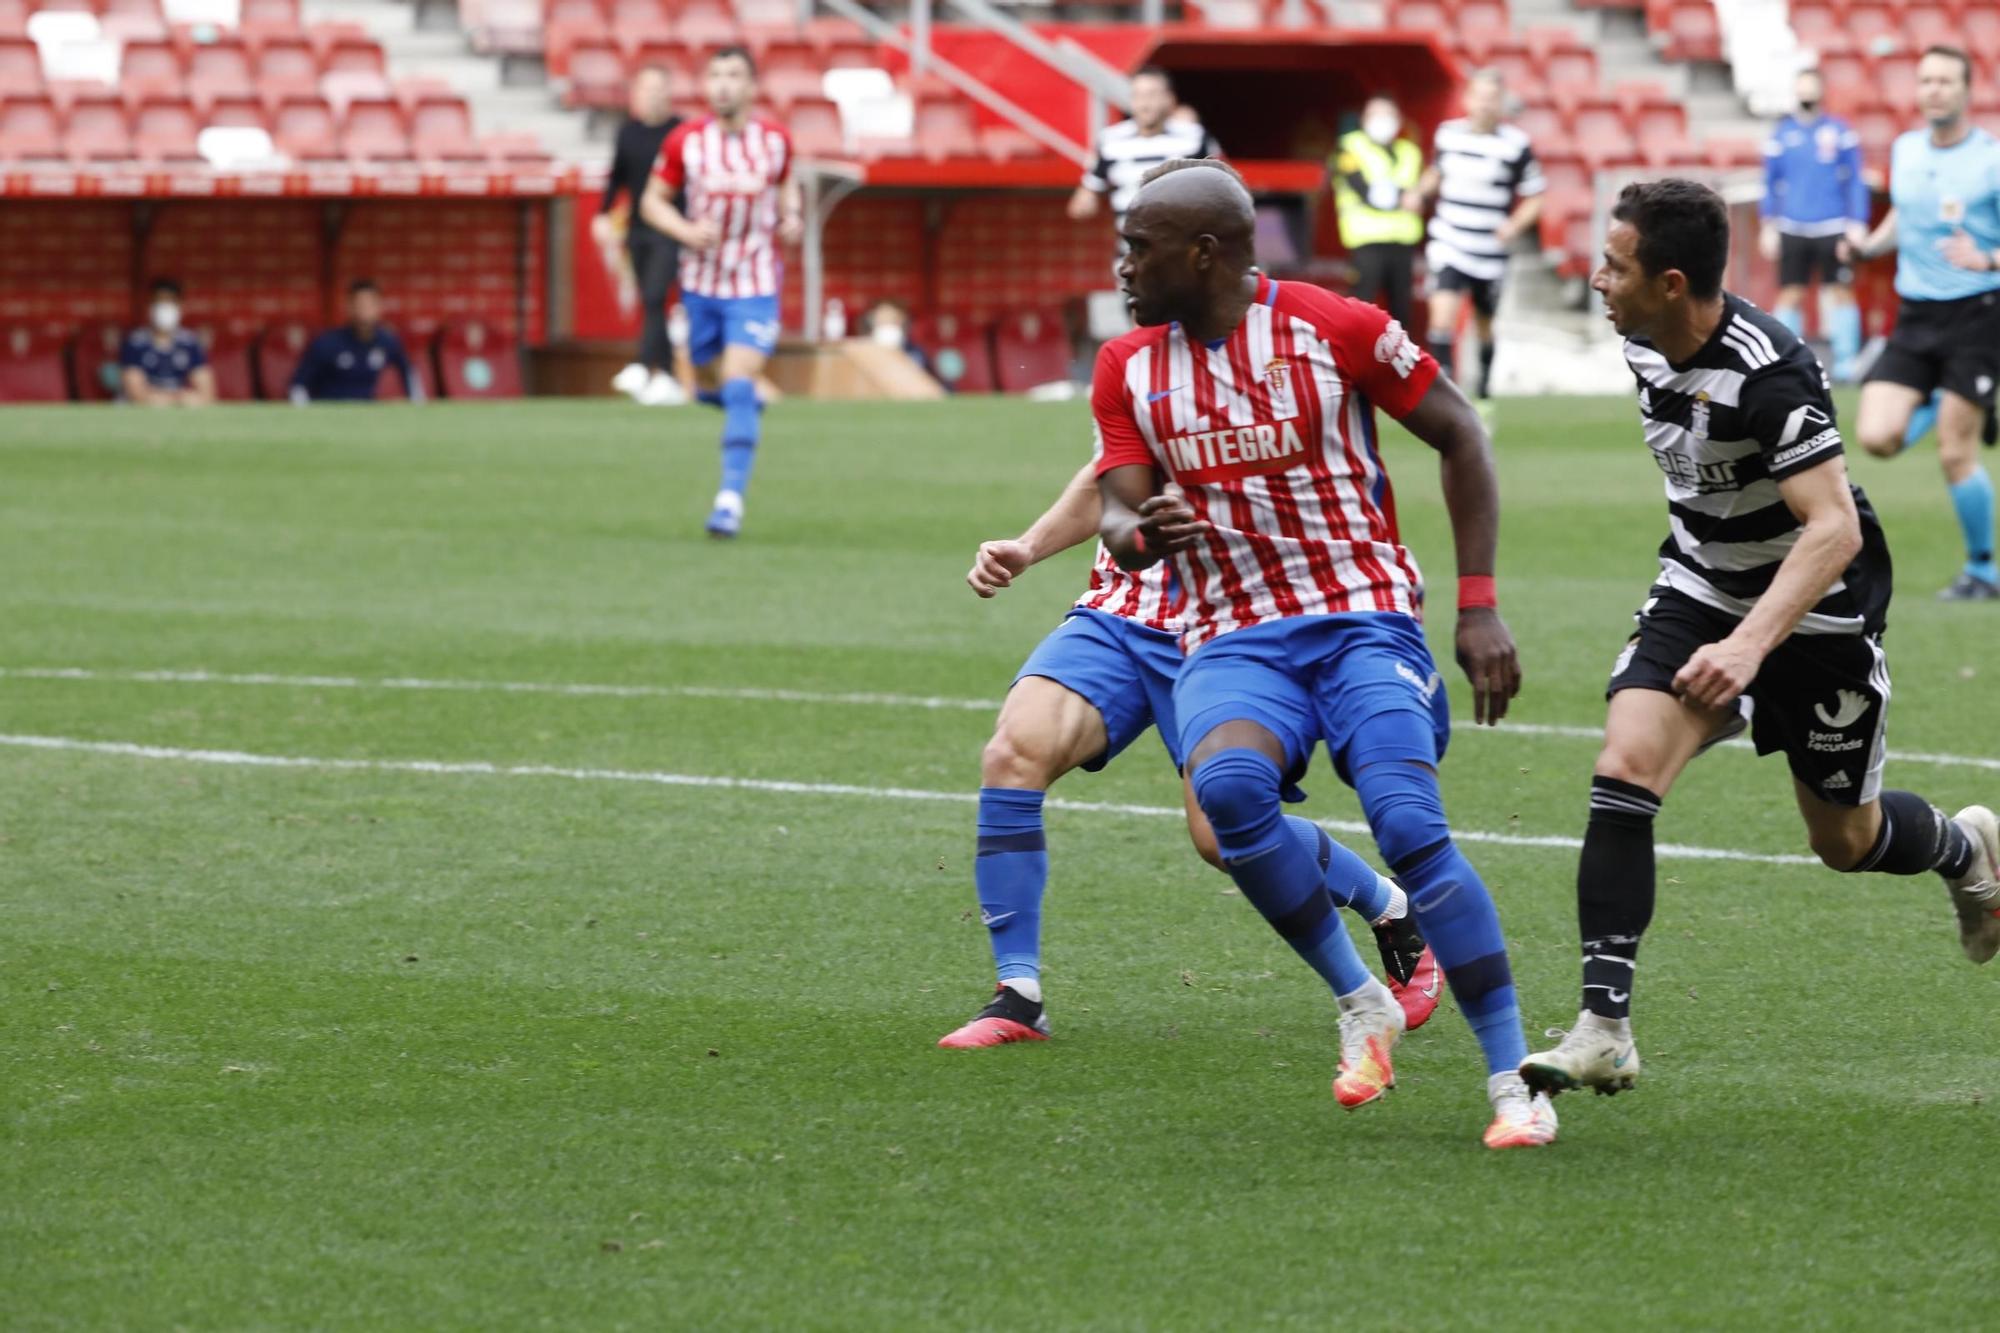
(1838,782)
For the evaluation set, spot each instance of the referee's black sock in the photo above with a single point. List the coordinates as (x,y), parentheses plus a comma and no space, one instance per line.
(1614,891)
(1486,368)
(1445,350)
(1916,836)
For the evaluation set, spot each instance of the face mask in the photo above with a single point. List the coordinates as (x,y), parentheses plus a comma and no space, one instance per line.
(1382,129)
(888,335)
(166,316)
(1808,108)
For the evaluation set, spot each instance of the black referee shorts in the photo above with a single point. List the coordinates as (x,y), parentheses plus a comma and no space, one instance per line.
(1801,258)
(1484,293)
(1949,345)
(1820,699)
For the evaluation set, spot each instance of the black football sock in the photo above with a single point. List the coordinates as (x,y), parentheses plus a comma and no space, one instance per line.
(1614,891)
(1486,369)
(1444,350)
(1916,836)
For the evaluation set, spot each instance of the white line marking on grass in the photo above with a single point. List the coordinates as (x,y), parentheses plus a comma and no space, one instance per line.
(1463,727)
(476,768)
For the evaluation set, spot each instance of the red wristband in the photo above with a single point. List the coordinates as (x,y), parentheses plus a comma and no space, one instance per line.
(1477,591)
(1139,541)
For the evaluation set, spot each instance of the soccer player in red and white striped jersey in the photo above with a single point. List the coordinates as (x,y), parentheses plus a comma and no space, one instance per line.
(741,201)
(1238,441)
(1089,689)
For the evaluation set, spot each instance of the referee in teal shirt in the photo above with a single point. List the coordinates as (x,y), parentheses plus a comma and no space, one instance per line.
(1944,188)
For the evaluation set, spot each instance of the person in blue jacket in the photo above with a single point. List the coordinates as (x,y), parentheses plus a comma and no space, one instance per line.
(1813,195)
(163,365)
(343,364)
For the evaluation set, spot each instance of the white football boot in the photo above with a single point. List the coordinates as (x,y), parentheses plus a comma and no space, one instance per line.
(1371,1023)
(1975,895)
(662,390)
(631,379)
(1521,1119)
(1597,1054)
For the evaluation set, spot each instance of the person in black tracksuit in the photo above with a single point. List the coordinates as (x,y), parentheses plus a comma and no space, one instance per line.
(655,257)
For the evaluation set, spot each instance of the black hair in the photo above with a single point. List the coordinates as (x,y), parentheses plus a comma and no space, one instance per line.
(1952,53)
(360,285)
(741,53)
(165,285)
(1154,72)
(1682,224)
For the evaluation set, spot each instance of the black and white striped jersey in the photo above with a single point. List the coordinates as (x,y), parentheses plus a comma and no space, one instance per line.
(1748,410)
(1124,156)
(1481,176)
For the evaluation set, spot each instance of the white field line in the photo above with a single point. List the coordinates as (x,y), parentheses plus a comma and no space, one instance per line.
(757,694)
(464,768)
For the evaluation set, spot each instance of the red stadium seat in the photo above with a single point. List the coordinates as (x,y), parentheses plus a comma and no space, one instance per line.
(1481,16)
(358,52)
(20,67)
(773,15)
(95,361)
(29,131)
(373,131)
(1930,25)
(681,66)
(1982,31)
(276,355)
(597,76)
(220,69)
(441,131)
(1425,16)
(31,368)
(229,356)
(1693,32)
(475,360)
(303,128)
(164,130)
(1874,25)
(1847,80)
(150,67)
(286,67)
(97,130)
(1819,29)
(1599,130)
(1877,128)
(1510,55)
(419,344)
(705,24)
(238,113)
(960,352)
(1896,77)
(815,128)
(789,72)
(635,23)
(1732,153)
(516,150)
(269,15)
(1030,347)
(945,128)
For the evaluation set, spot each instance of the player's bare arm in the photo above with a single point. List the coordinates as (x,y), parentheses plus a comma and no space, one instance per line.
(1070,520)
(1445,421)
(791,212)
(1522,220)
(1863,244)
(1829,539)
(1142,524)
(656,206)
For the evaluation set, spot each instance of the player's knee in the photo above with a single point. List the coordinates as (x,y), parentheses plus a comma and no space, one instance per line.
(1205,845)
(1018,758)
(1624,761)
(1404,810)
(1878,441)
(1238,790)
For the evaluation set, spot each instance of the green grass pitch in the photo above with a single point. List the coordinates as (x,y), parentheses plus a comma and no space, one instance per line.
(547,1045)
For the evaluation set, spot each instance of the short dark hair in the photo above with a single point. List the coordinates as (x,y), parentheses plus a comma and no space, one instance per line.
(1173,164)
(734,52)
(168,285)
(360,285)
(1154,72)
(1951,53)
(1682,224)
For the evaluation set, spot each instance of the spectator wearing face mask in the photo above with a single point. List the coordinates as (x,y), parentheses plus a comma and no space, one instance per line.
(887,324)
(1375,175)
(163,365)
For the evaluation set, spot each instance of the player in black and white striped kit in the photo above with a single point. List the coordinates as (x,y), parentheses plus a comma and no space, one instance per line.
(1129,149)
(1488,188)
(1774,590)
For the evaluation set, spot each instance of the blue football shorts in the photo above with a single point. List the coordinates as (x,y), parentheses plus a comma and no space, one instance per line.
(1125,671)
(715,322)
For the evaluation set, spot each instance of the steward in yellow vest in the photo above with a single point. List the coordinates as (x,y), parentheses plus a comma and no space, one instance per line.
(1375,174)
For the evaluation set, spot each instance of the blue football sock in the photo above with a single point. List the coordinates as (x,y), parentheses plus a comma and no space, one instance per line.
(1843,324)
(1390,755)
(1793,318)
(1973,499)
(740,411)
(1238,791)
(1010,873)
(1350,881)
(1921,421)
(710,397)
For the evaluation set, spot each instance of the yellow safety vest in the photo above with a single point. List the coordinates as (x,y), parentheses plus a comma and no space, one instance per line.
(1401,163)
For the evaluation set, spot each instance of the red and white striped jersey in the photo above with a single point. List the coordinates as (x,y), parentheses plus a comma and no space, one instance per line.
(732,180)
(1270,433)
(1151,597)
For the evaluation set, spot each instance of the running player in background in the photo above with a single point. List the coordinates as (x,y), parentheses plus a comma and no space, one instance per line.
(1090,689)
(1774,587)
(1238,439)
(1814,194)
(736,169)
(1944,223)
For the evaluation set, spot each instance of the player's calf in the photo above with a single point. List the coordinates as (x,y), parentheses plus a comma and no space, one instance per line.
(1912,837)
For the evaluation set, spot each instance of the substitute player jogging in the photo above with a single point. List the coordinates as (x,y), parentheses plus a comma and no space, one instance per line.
(1090,689)
(1238,439)
(1774,587)
(741,201)
(1944,185)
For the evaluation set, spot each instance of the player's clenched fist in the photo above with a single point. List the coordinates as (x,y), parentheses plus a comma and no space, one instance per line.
(996,565)
(1717,673)
(1167,525)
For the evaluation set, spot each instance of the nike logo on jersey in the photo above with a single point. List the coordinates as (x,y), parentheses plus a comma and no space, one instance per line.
(1160,395)
(1848,706)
